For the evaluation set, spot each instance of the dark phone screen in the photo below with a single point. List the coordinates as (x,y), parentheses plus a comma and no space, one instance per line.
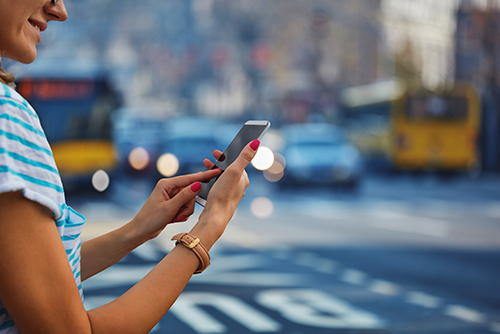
(247,134)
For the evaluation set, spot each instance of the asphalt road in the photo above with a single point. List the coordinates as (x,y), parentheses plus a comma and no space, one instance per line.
(406,254)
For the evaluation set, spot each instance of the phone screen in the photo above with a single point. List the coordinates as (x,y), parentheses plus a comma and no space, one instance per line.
(249,132)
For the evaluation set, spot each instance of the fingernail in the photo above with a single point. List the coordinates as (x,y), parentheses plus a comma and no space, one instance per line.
(217,168)
(255,144)
(181,218)
(195,187)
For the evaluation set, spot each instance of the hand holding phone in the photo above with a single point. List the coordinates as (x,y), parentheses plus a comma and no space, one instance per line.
(250,131)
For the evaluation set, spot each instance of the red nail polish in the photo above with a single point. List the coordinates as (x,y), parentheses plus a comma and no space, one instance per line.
(195,187)
(255,144)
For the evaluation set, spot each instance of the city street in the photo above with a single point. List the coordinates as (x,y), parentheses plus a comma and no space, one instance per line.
(358,93)
(406,254)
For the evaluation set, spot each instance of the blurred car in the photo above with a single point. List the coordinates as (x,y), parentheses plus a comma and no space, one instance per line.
(320,154)
(138,141)
(190,140)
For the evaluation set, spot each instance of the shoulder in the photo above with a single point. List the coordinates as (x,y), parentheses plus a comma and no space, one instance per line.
(26,159)
(11,100)
(19,121)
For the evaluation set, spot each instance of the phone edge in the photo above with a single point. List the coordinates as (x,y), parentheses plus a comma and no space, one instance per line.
(200,200)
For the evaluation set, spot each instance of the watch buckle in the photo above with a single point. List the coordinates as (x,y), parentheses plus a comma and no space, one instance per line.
(194,243)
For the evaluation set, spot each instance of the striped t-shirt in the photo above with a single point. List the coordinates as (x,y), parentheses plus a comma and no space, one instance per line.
(27,165)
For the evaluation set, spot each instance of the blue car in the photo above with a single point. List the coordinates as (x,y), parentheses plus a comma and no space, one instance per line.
(190,140)
(320,154)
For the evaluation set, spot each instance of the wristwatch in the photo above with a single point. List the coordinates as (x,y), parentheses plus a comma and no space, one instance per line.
(193,243)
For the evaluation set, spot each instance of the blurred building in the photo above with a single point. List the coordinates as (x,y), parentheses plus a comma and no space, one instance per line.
(320,47)
(439,42)
(422,33)
(477,60)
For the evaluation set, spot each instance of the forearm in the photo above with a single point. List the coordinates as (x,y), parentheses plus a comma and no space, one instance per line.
(141,307)
(102,252)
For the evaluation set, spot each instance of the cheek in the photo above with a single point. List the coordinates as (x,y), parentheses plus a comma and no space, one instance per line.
(20,45)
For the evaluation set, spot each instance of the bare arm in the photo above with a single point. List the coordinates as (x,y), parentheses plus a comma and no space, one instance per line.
(102,252)
(37,286)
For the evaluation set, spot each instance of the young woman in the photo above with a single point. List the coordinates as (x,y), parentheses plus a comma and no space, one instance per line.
(42,260)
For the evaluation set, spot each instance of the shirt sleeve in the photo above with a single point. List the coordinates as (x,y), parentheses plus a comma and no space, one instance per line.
(26,160)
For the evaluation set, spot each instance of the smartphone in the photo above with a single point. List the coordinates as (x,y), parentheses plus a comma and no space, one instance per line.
(250,131)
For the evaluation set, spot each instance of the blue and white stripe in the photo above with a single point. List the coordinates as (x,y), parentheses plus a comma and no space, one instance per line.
(27,165)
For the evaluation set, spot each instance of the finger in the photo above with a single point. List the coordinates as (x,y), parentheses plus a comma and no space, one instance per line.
(246,155)
(185,212)
(185,180)
(208,164)
(217,154)
(185,196)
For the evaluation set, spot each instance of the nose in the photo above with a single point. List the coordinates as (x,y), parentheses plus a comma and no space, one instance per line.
(56,12)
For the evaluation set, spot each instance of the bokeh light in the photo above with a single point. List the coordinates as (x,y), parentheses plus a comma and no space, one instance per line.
(262,207)
(277,169)
(138,158)
(263,159)
(167,164)
(100,180)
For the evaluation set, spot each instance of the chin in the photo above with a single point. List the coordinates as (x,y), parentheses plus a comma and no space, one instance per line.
(26,62)
(26,57)
(23,60)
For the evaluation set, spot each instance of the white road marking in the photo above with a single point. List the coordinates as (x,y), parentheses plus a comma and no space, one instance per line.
(464,313)
(236,262)
(353,276)
(244,237)
(422,299)
(316,262)
(282,255)
(316,308)
(327,211)
(92,302)
(493,210)
(121,275)
(327,266)
(384,287)
(495,327)
(148,252)
(250,279)
(187,309)
(117,275)
(307,259)
(415,225)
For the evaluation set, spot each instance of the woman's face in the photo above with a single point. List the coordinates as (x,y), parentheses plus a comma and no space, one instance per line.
(21,22)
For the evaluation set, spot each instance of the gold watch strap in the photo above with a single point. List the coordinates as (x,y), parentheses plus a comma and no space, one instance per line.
(193,243)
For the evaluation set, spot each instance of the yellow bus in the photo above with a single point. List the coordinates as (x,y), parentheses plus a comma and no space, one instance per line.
(414,130)
(74,104)
(436,130)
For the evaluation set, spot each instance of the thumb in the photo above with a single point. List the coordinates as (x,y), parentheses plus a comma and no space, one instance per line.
(185,195)
(246,155)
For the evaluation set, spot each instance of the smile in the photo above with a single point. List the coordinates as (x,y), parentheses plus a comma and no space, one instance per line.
(36,27)
(38,24)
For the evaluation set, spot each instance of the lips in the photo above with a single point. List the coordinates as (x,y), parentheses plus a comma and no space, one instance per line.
(40,26)
(36,27)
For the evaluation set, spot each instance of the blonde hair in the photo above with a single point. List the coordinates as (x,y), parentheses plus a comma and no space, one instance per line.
(5,77)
